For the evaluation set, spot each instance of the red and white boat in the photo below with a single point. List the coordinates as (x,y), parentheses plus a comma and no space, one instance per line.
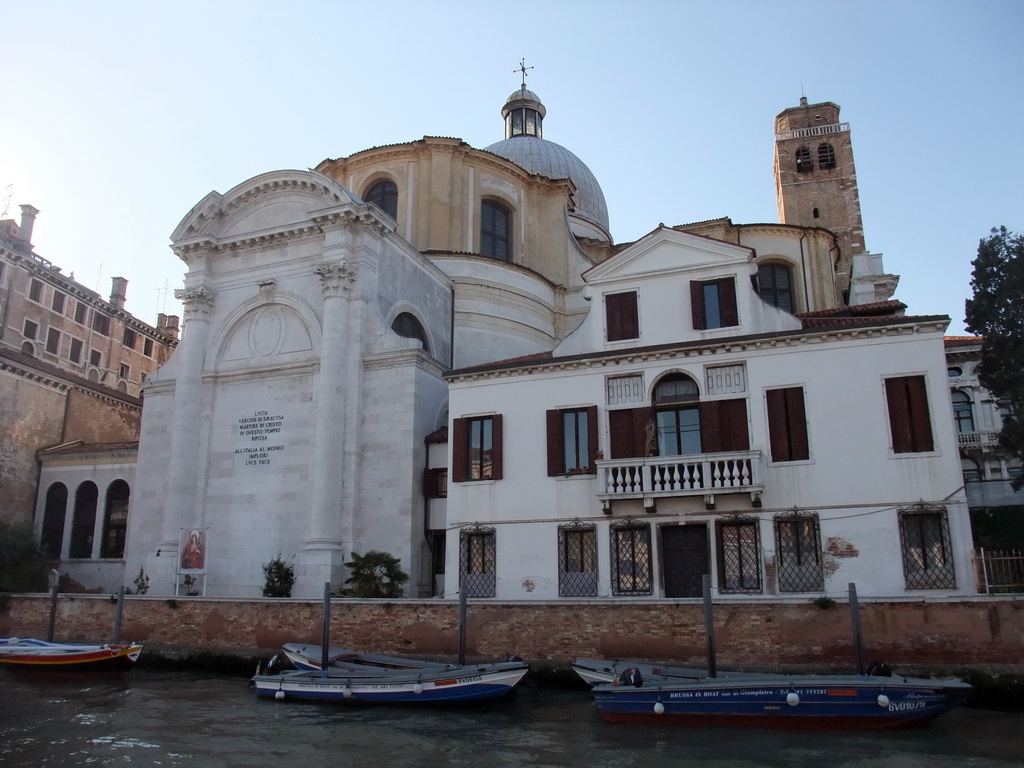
(29,653)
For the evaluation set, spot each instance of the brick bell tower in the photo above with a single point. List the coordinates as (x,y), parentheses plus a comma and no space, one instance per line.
(815,180)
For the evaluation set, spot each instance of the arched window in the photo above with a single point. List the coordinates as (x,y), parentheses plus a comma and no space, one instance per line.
(804,163)
(826,157)
(53,520)
(970,469)
(408,326)
(495,230)
(84,521)
(677,415)
(115,520)
(963,412)
(384,194)
(775,285)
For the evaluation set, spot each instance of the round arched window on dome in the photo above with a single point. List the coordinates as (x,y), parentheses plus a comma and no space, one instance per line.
(384,194)
(408,326)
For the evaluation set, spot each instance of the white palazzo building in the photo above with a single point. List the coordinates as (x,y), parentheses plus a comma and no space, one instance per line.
(742,399)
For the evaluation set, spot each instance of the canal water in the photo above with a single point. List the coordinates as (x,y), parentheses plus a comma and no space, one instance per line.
(165,718)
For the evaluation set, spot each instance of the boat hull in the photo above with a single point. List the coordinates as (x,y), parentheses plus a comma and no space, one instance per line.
(39,654)
(839,702)
(394,688)
(310,657)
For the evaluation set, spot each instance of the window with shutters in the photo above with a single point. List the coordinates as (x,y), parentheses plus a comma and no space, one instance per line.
(739,555)
(57,303)
(435,483)
(478,561)
(101,323)
(631,559)
(678,423)
(577,560)
(129,338)
(798,553)
(53,341)
(81,312)
(572,441)
(35,290)
(713,303)
(927,554)
(622,320)
(909,417)
(476,448)
(787,424)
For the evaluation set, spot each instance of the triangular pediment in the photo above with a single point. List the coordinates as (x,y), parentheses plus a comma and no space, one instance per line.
(667,251)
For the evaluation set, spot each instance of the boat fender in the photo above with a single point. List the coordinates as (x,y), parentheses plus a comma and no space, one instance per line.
(417,688)
(792,698)
(659,708)
(879,670)
(279,696)
(632,677)
(883,700)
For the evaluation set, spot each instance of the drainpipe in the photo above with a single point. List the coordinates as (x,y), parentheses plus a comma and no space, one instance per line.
(803,269)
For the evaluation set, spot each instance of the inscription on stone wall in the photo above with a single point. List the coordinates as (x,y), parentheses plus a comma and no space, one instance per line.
(258,434)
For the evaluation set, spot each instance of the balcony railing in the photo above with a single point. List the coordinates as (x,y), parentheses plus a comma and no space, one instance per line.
(987,437)
(694,475)
(999,572)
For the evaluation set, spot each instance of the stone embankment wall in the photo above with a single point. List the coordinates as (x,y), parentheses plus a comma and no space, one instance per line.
(983,637)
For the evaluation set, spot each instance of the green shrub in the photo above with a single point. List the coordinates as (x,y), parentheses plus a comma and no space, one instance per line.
(375,574)
(279,578)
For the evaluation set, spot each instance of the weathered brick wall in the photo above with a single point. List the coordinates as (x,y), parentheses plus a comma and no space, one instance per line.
(986,635)
(97,419)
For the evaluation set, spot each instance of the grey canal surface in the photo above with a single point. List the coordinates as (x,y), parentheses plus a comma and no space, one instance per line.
(161,718)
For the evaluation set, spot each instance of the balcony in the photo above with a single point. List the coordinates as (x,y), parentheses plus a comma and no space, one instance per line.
(988,438)
(657,477)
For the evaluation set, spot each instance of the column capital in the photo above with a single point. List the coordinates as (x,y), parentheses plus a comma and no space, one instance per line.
(335,278)
(197,301)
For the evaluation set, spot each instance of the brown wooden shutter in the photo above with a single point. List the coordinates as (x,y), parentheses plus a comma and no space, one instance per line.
(899,415)
(496,453)
(428,483)
(460,450)
(787,424)
(591,438)
(621,316)
(723,426)
(628,432)
(920,421)
(556,444)
(700,322)
(727,302)
(797,415)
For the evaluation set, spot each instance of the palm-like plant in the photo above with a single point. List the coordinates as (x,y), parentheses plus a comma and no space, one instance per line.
(375,574)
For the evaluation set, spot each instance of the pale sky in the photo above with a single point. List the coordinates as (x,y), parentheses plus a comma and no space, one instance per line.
(120,116)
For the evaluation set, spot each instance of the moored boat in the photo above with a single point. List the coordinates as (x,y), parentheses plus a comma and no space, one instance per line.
(353,683)
(29,653)
(786,701)
(597,671)
(304,656)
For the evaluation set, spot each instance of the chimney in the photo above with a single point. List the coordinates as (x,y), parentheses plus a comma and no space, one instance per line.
(118,291)
(28,220)
(168,324)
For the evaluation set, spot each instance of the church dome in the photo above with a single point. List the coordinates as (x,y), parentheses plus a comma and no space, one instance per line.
(525,146)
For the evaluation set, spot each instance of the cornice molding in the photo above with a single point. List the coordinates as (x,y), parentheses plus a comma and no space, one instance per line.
(697,349)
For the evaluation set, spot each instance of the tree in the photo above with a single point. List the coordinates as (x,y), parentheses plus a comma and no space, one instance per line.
(996,313)
(22,565)
(279,577)
(375,574)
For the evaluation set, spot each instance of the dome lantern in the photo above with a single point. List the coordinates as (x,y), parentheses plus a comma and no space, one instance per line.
(524,114)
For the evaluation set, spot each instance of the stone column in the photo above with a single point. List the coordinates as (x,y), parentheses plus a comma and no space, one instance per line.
(329,469)
(180,505)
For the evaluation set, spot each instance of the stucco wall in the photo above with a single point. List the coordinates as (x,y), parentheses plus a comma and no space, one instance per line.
(985,636)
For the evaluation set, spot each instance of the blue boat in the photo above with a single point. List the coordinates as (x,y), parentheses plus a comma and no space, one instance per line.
(780,701)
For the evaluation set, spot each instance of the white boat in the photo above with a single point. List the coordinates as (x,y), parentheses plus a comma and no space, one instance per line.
(304,656)
(354,683)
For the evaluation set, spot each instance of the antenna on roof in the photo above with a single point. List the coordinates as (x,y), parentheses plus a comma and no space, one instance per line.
(9,189)
(523,68)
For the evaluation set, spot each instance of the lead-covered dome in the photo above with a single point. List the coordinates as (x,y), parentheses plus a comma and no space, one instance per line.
(525,146)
